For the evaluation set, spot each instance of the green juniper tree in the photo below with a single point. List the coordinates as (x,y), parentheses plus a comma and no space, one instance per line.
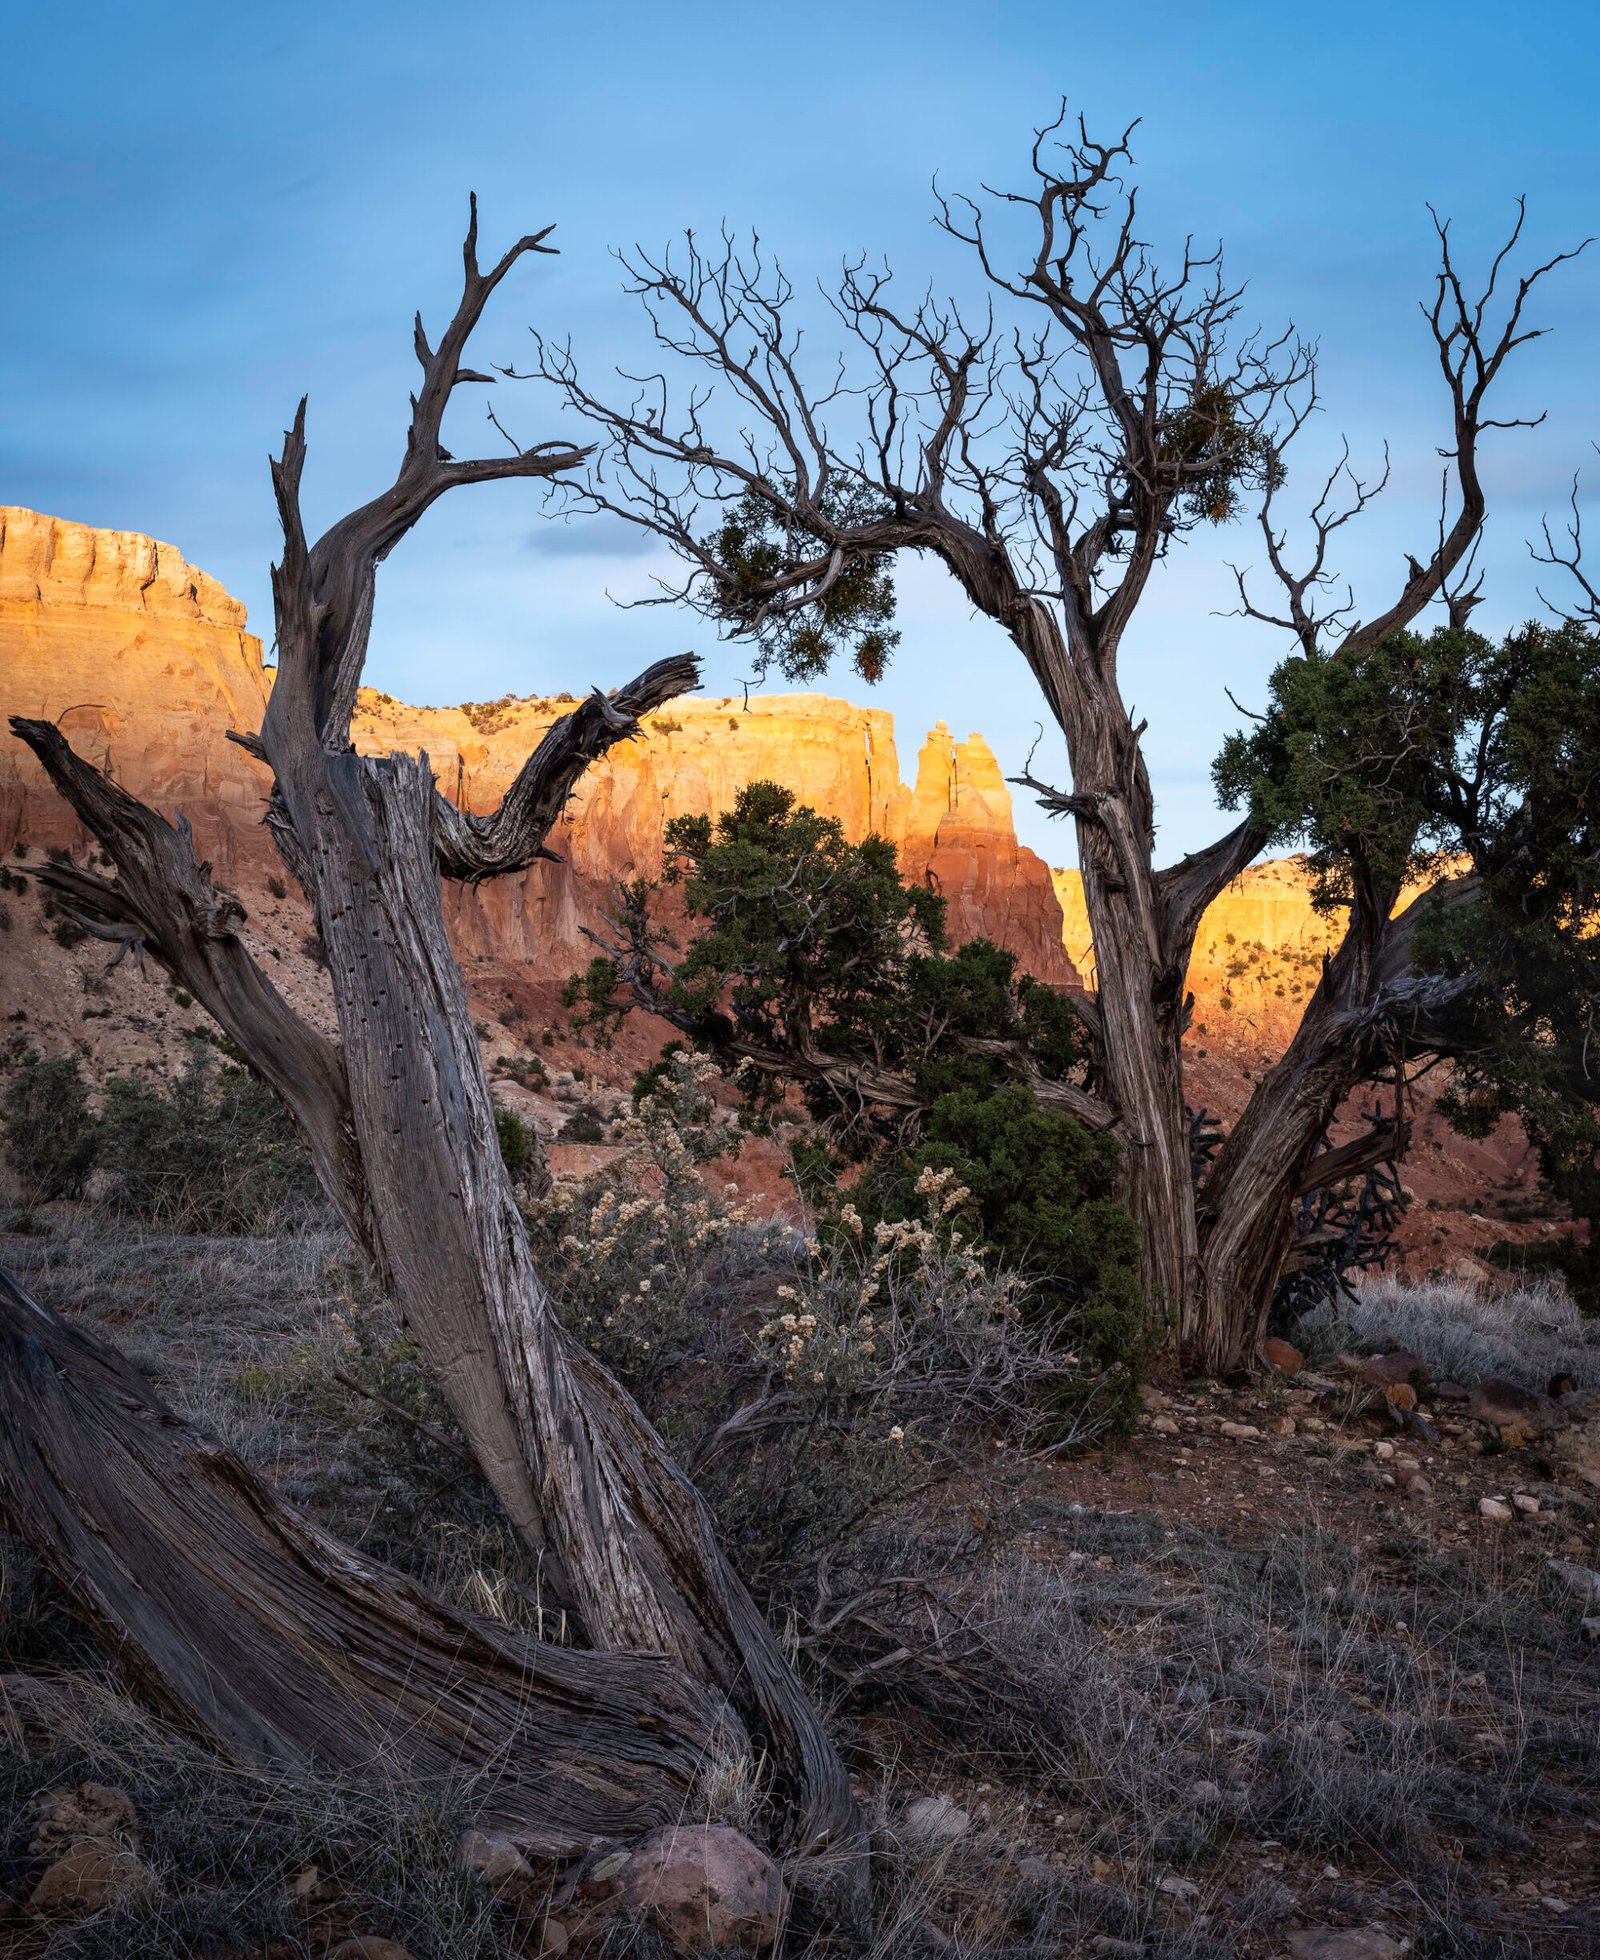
(1471,765)
(813,964)
(1048,438)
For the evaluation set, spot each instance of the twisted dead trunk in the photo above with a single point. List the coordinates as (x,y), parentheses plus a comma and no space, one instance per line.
(399,1115)
(282,1648)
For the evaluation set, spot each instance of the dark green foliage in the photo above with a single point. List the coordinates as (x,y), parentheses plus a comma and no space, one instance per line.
(1451,746)
(754,545)
(814,950)
(584,1125)
(515,1145)
(1534,934)
(51,1136)
(210,1151)
(1358,762)
(1043,1204)
(806,935)
(812,944)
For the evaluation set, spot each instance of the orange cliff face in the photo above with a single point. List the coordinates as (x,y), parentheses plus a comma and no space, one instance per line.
(1257,955)
(147,665)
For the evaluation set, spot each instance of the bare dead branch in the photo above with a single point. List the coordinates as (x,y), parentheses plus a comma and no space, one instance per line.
(474,848)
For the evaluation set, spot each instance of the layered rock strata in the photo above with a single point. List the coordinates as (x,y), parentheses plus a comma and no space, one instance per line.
(147,664)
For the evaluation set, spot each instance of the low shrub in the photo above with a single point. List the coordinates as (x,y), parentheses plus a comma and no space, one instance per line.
(51,1135)
(210,1151)
(1464,1331)
(1039,1201)
(809,1387)
(516,1147)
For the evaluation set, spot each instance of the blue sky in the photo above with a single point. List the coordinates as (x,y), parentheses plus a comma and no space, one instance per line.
(206,210)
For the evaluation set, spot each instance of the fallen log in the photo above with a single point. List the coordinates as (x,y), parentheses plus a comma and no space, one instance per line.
(254,1629)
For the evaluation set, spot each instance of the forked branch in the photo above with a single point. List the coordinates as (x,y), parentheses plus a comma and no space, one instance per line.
(324,592)
(511,836)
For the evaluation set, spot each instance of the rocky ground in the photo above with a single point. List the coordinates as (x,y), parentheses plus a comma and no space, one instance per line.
(1305,1668)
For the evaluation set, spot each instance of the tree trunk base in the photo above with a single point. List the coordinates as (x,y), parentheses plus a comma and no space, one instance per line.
(255,1630)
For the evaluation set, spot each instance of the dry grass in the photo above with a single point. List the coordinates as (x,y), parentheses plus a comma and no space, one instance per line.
(1163,1737)
(1465,1332)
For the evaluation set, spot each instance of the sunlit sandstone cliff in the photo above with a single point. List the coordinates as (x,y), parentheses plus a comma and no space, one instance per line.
(1257,956)
(146,664)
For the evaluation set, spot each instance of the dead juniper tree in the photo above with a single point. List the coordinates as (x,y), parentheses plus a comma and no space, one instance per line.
(1049,443)
(397,1114)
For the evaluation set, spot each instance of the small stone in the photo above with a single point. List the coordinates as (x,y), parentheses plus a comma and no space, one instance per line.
(1239,1432)
(492,1857)
(935,1820)
(1283,1425)
(1578,1580)
(1342,1943)
(1528,1506)
(1417,1485)
(1383,1451)
(90,1811)
(1284,1356)
(1178,1888)
(551,1940)
(1164,1426)
(1495,1510)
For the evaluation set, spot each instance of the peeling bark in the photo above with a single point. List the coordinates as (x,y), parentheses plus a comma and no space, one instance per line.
(399,1115)
(284,1649)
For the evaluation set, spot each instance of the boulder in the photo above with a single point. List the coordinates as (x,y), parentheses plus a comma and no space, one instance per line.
(698,1886)
(87,1876)
(1384,1370)
(1508,1407)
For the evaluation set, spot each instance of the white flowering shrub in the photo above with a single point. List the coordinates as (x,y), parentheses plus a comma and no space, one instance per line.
(627,1249)
(806,1386)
